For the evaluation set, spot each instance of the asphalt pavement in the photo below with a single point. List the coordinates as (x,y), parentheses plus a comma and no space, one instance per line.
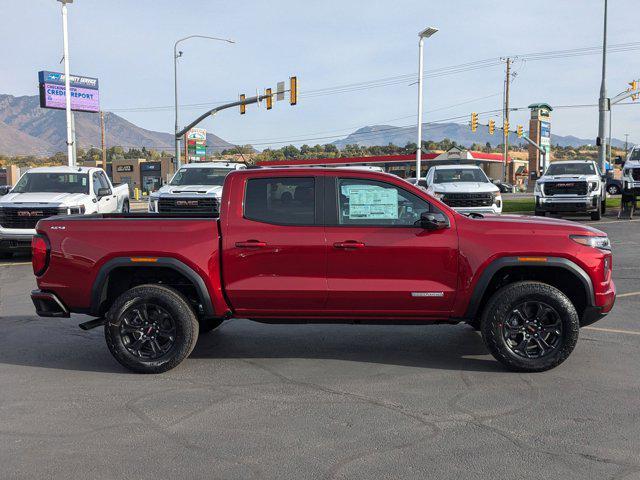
(320,401)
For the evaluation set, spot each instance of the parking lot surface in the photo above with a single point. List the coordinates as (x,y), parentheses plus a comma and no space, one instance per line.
(320,401)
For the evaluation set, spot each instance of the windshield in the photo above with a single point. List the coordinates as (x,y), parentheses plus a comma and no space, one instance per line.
(450,175)
(52,182)
(635,154)
(200,176)
(571,169)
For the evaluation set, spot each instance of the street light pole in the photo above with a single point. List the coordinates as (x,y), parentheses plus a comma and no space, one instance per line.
(603,103)
(176,55)
(426,33)
(67,82)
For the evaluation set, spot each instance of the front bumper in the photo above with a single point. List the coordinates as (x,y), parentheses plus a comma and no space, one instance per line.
(16,240)
(48,304)
(492,209)
(567,204)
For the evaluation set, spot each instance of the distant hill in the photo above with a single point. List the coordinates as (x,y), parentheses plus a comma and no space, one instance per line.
(27,129)
(461,134)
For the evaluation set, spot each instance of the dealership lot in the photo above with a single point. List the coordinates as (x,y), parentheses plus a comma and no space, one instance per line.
(320,401)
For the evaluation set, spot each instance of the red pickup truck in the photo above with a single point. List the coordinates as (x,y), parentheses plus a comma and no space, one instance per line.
(345,246)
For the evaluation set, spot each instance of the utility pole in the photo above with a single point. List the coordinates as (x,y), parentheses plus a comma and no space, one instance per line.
(104,148)
(426,33)
(603,103)
(505,121)
(67,82)
(626,144)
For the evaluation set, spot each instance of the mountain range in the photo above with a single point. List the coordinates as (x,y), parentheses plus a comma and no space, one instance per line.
(461,134)
(27,129)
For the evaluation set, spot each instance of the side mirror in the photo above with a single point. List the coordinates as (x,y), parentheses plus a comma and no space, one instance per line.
(434,221)
(104,192)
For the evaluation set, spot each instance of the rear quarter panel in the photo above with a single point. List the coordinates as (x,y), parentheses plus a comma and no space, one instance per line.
(80,247)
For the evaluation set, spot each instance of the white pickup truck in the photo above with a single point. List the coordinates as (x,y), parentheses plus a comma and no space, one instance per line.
(47,191)
(465,188)
(571,186)
(196,187)
(631,173)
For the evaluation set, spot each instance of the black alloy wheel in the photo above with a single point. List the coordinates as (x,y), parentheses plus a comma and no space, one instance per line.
(532,329)
(147,331)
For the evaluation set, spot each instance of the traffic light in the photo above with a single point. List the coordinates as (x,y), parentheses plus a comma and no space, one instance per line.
(520,131)
(267,92)
(492,127)
(474,121)
(505,127)
(243,107)
(293,90)
(634,86)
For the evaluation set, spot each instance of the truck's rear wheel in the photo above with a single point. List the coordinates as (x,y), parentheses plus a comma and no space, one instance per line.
(151,329)
(530,326)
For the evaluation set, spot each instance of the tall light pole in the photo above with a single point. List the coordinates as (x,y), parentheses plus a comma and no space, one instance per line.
(603,103)
(176,55)
(426,33)
(67,82)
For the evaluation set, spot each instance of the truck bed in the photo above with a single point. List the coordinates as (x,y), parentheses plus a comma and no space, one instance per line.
(81,245)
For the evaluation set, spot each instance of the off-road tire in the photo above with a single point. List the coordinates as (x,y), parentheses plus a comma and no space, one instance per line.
(209,324)
(499,307)
(603,205)
(186,328)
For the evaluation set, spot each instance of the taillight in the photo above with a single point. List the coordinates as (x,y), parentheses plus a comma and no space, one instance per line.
(39,254)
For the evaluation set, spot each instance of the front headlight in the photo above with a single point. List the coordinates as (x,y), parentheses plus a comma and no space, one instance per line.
(593,186)
(497,199)
(602,243)
(538,188)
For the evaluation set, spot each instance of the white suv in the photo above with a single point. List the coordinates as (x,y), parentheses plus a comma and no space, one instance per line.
(465,188)
(631,173)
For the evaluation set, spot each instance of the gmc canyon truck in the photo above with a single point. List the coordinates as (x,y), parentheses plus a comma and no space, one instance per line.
(46,191)
(349,246)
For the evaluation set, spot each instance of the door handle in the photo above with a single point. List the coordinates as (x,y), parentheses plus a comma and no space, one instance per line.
(251,244)
(349,244)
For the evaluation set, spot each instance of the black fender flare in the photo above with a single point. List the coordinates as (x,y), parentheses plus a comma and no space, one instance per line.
(99,290)
(496,265)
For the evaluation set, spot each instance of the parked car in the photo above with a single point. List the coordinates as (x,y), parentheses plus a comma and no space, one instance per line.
(356,247)
(504,187)
(47,191)
(466,188)
(613,186)
(4,189)
(195,187)
(571,186)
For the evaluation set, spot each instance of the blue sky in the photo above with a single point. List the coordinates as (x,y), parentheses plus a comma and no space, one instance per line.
(128,45)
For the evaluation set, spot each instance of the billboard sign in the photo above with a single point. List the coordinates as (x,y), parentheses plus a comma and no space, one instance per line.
(85,95)
(545,133)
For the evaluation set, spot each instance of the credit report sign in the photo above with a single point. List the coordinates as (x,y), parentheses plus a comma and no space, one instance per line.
(85,95)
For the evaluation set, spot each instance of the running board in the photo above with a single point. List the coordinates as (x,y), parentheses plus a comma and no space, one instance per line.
(93,323)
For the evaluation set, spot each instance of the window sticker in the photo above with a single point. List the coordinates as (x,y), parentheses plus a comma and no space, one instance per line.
(371,202)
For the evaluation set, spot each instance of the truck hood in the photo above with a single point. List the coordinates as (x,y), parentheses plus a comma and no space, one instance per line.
(65,199)
(465,187)
(504,221)
(190,189)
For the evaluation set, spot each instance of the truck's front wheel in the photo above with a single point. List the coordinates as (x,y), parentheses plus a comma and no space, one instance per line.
(151,329)
(530,326)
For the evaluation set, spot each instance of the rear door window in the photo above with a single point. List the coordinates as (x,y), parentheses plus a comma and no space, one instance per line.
(281,200)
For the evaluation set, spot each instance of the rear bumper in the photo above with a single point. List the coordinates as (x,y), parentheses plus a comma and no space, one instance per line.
(48,304)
